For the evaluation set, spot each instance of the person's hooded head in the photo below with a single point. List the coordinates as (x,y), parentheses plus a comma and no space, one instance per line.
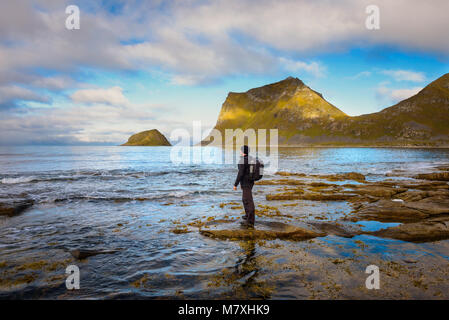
(245,150)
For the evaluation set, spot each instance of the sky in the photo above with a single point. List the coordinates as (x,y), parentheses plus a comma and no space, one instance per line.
(138,65)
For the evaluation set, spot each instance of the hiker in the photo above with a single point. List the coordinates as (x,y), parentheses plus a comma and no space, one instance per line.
(246,183)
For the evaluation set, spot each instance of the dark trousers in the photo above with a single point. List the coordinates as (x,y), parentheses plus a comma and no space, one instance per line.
(248,204)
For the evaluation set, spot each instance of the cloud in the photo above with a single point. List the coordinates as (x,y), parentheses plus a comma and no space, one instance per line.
(199,41)
(396,95)
(53,83)
(322,25)
(363,74)
(405,75)
(195,42)
(83,123)
(187,80)
(314,68)
(111,96)
(402,94)
(10,96)
(195,62)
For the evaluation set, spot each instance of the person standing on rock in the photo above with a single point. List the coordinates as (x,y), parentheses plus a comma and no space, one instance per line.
(246,183)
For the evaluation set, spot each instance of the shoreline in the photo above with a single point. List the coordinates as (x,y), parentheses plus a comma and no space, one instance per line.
(333,146)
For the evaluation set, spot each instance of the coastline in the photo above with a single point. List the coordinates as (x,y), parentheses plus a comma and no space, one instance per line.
(331,146)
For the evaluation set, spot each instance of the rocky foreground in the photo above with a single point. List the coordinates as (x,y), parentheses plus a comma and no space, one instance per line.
(418,203)
(308,242)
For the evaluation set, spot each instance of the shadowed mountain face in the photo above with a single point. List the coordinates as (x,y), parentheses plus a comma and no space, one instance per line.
(150,138)
(304,117)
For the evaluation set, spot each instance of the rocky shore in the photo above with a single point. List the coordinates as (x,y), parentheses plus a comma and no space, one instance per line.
(313,238)
(417,204)
(420,202)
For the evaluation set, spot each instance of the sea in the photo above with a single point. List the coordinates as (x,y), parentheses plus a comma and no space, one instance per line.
(131,199)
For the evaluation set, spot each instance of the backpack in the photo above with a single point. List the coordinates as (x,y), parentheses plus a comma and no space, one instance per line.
(255,170)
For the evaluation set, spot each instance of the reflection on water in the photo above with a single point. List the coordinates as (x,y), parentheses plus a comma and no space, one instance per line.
(376,225)
(131,199)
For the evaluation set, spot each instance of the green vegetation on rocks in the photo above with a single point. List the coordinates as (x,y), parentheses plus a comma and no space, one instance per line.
(304,118)
(149,138)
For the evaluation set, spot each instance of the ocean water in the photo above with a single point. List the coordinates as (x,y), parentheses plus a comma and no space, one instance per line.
(131,198)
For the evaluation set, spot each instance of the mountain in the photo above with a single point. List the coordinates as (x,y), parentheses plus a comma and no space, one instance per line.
(422,119)
(304,118)
(147,138)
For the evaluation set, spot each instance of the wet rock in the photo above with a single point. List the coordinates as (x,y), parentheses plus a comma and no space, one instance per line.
(416,195)
(290,182)
(432,205)
(389,211)
(412,195)
(322,185)
(287,174)
(438,176)
(331,177)
(434,185)
(328,197)
(375,190)
(85,253)
(283,196)
(311,196)
(355,176)
(336,228)
(347,176)
(15,207)
(263,230)
(180,230)
(432,229)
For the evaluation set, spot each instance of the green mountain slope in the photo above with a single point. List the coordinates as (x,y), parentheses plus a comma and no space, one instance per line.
(304,117)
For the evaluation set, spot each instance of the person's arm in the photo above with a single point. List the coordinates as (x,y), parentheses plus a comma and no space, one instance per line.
(241,167)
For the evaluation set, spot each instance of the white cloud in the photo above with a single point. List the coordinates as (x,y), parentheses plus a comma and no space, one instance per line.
(314,68)
(186,80)
(195,42)
(82,123)
(53,83)
(396,95)
(111,96)
(363,74)
(10,95)
(402,94)
(405,75)
(320,25)
(205,40)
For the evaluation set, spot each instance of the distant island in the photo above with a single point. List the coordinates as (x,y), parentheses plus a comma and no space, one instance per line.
(149,138)
(304,118)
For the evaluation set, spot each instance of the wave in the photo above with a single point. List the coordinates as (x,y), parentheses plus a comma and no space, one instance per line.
(103,175)
(18,180)
(113,198)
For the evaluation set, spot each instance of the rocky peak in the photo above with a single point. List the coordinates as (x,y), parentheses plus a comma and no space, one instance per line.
(274,91)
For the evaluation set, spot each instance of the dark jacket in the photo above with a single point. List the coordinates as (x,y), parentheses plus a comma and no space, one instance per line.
(242,176)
